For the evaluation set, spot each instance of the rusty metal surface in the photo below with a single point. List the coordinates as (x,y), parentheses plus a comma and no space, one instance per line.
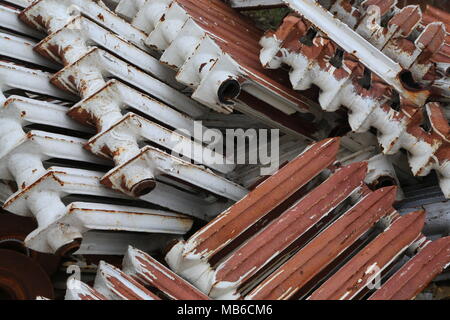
(112,283)
(320,252)
(200,40)
(93,110)
(378,62)
(21,278)
(282,232)
(415,275)
(410,37)
(250,253)
(86,151)
(351,279)
(345,80)
(72,42)
(61,226)
(9,19)
(142,278)
(150,272)
(40,193)
(135,177)
(14,76)
(268,195)
(23,153)
(22,49)
(13,231)
(49,16)
(52,18)
(255,4)
(432,14)
(22,161)
(43,192)
(86,73)
(21,111)
(79,291)
(231,228)
(264,262)
(141,129)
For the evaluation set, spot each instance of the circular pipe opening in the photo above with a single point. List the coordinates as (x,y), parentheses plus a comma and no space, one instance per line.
(229,90)
(144,187)
(408,82)
(69,249)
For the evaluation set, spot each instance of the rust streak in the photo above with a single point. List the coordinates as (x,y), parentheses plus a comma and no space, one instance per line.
(316,255)
(357,273)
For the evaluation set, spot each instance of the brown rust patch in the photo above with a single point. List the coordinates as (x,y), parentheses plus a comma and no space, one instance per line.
(167,281)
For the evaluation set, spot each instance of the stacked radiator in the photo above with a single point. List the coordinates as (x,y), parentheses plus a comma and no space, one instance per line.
(127,149)
(340,241)
(101,146)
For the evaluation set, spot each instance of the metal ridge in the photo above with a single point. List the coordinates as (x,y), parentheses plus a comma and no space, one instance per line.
(230,229)
(150,272)
(415,275)
(312,59)
(282,232)
(320,252)
(264,198)
(114,284)
(368,264)
(198,39)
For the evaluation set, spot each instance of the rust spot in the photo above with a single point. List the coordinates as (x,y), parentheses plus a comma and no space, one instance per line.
(202,66)
(230,224)
(416,274)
